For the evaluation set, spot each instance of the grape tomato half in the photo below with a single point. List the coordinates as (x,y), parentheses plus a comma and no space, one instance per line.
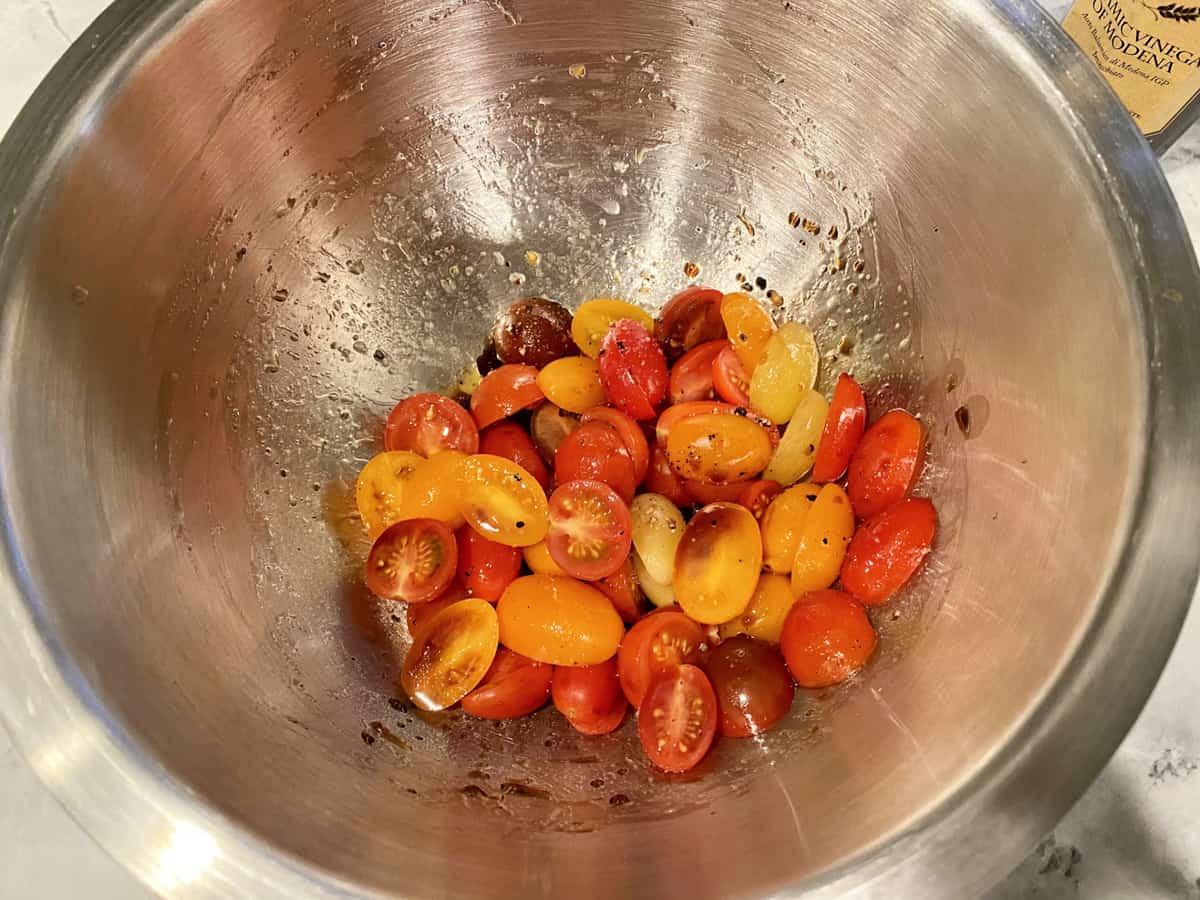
(653,647)
(590,528)
(633,369)
(549,427)
(690,318)
(782,523)
(886,464)
(749,327)
(595,452)
(718,449)
(430,423)
(379,489)
(730,379)
(787,369)
(413,560)
(752,686)
(657,528)
(451,654)
(485,568)
(763,617)
(630,433)
(572,383)
(888,549)
(514,686)
(509,389)
(502,501)
(844,426)
(559,620)
(823,540)
(718,563)
(589,697)
(692,376)
(797,449)
(677,720)
(511,441)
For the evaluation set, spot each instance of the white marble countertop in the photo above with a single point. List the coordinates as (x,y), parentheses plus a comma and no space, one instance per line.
(1135,833)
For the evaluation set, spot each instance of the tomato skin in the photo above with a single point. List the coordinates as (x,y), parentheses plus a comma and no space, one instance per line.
(692,377)
(558,620)
(690,318)
(752,685)
(539,560)
(888,548)
(758,495)
(786,372)
(886,464)
(589,697)
(844,427)
(630,433)
(633,369)
(718,449)
(661,478)
(514,686)
(655,645)
(782,525)
(572,383)
(749,327)
(677,720)
(595,318)
(794,456)
(717,563)
(413,560)
(673,415)
(623,590)
(450,655)
(509,389)
(429,423)
(549,427)
(485,568)
(826,638)
(763,618)
(595,452)
(729,377)
(510,441)
(590,530)
(533,331)
(380,489)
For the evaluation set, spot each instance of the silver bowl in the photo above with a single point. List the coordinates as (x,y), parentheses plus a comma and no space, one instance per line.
(235,231)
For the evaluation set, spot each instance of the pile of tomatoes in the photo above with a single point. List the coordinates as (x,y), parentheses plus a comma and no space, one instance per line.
(608,458)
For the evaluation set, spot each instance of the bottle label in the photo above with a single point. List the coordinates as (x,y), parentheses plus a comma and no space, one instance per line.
(1149,50)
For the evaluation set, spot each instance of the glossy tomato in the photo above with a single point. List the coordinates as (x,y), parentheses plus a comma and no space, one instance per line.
(718,563)
(509,389)
(787,370)
(763,617)
(485,568)
(451,654)
(752,685)
(429,423)
(418,615)
(823,540)
(595,452)
(729,377)
(657,529)
(690,318)
(661,594)
(749,327)
(655,645)
(502,501)
(413,560)
(514,686)
(559,620)
(718,449)
(379,489)
(539,560)
(673,415)
(572,383)
(511,441)
(826,638)
(844,426)
(623,589)
(590,530)
(758,495)
(549,427)
(633,369)
(886,464)
(589,696)
(692,377)
(703,494)
(888,549)
(662,479)
(782,523)
(798,447)
(533,331)
(594,319)
(630,433)
(677,720)
(430,492)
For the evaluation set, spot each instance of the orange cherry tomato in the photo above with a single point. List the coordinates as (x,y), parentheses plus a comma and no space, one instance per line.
(417,615)
(514,686)
(502,501)
(844,428)
(888,549)
(749,327)
(539,560)
(702,494)
(572,383)
(655,645)
(661,479)
(822,541)
(485,567)
(559,620)
(826,638)
(782,524)
(430,492)
(590,530)
(677,721)
(429,423)
(717,563)
(757,496)
(451,654)
(595,452)
(507,390)
(633,369)
(763,618)
(589,697)
(673,415)
(690,318)
(630,433)
(718,449)
(413,560)
(752,685)
(730,378)
(623,590)
(692,377)
(511,441)
(549,427)
(886,464)
(379,489)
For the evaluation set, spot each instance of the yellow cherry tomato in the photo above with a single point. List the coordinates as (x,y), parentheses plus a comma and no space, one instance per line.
(572,383)
(798,447)
(592,321)
(431,490)
(763,618)
(380,487)
(781,526)
(657,528)
(718,563)
(559,620)
(451,654)
(539,560)
(718,448)
(787,369)
(826,534)
(749,327)
(502,501)
(659,593)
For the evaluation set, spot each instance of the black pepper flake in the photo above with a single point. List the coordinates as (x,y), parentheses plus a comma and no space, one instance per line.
(516,477)
(621,345)
(742,336)
(761,282)
(520,524)
(618,800)
(811,497)
(825,541)
(368,738)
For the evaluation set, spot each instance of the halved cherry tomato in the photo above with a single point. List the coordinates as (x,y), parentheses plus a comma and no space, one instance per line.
(703,494)
(502,501)
(413,560)
(595,452)
(718,449)
(787,369)
(559,620)
(379,489)
(657,528)
(533,331)
(451,654)
(539,560)
(826,638)
(888,549)
(757,496)
(513,687)
(782,523)
(594,318)
(429,423)
(572,383)
(689,319)
(794,456)
(511,441)
(590,530)
(503,392)
(430,492)
(886,464)
(623,590)
(718,563)
(418,615)
(763,618)
(655,645)
(661,478)
(823,540)
(752,685)
(630,432)
(589,696)
(485,567)
(549,427)
(844,428)
(729,377)
(749,327)
(661,594)
(673,415)
(692,377)
(677,720)
(633,369)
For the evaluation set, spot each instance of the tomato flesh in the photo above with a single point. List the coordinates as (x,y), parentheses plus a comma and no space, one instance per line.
(589,697)
(888,549)
(590,530)
(758,495)
(677,720)
(514,686)
(763,617)
(729,377)
(690,318)
(502,501)
(380,488)
(511,441)
(655,645)
(633,369)
(692,376)
(451,654)
(430,423)
(595,452)
(718,563)
(413,560)
(886,464)
(749,327)
(826,638)
(509,389)
(485,568)
(844,427)
(752,685)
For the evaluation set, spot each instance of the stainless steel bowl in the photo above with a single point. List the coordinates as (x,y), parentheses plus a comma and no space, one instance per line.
(235,231)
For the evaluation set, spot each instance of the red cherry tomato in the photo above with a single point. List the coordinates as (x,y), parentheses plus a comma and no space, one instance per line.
(757,496)
(754,690)
(703,493)
(633,369)
(514,686)
(662,479)
(692,377)
(826,638)
(886,464)
(843,430)
(690,318)
(428,424)
(595,452)
(413,560)
(623,590)
(589,696)
(680,411)
(888,549)
(486,568)
(590,529)
(730,378)
(677,720)
(501,393)
(655,645)
(511,441)
(630,432)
